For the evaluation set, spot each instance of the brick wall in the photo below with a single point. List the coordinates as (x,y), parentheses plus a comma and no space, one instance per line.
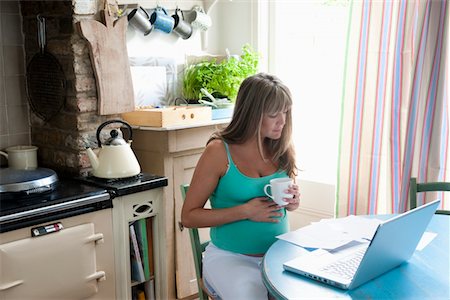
(62,140)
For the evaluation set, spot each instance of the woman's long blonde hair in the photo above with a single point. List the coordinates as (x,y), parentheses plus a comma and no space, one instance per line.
(259,95)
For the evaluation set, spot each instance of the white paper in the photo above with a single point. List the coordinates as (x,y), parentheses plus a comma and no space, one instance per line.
(333,233)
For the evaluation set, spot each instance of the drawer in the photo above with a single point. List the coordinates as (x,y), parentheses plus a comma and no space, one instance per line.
(172,141)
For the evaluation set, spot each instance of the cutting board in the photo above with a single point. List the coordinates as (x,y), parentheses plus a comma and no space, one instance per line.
(109,57)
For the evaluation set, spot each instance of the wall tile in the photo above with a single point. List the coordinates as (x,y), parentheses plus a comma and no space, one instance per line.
(18,119)
(19,139)
(14,63)
(3,120)
(11,7)
(1,34)
(11,27)
(2,91)
(15,89)
(14,115)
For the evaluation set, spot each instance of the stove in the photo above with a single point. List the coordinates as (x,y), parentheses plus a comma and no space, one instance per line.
(68,198)
(128,185)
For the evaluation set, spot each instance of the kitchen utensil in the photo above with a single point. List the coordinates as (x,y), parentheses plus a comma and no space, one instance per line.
(140,20)
(181,27)
(46,83)
(161,20)
(27,181)
(109,58)
(115,158)
(21,157)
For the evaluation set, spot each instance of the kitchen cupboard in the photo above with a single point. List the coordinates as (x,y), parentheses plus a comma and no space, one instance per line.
(174,152)
(133,215)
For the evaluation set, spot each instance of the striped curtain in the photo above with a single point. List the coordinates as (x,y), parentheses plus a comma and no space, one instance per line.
(394,122)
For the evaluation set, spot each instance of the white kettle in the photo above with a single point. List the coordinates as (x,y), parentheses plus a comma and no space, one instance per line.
(115,158)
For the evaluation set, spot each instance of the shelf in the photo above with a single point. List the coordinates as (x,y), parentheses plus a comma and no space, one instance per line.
(168,4)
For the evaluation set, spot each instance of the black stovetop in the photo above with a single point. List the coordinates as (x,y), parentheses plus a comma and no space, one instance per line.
(128,185)
(69,197)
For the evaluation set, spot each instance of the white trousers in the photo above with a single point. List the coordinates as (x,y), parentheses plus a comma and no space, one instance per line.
(233,276)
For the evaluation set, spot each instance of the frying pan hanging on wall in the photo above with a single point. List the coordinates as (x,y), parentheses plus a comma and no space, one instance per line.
(46,84)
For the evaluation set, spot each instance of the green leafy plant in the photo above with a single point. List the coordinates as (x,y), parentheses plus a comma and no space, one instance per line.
(220,79)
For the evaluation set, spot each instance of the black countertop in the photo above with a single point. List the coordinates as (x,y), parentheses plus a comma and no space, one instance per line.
(70,197)
(125,186)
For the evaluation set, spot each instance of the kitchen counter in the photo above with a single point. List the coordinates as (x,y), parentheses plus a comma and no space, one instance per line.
(178,127)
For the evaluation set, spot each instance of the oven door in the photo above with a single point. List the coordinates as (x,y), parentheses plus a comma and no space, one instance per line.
(68,263)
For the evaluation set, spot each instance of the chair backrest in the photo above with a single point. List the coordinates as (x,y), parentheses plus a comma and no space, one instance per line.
(415,188)
(197,249)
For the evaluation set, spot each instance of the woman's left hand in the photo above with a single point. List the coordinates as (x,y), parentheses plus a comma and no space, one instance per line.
(293,202)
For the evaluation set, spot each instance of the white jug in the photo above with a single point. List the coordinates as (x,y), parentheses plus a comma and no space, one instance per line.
(21,157)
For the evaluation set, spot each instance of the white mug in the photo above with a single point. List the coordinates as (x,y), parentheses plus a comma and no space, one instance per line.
(277,190)
(21,157)
(200,19)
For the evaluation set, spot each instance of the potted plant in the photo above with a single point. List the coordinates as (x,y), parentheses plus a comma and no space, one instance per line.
(221,79)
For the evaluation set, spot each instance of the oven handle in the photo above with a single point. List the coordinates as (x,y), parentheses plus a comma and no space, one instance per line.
(54,208)
(99,276)
(9,285)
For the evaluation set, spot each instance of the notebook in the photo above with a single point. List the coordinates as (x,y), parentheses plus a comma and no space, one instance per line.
(393,243)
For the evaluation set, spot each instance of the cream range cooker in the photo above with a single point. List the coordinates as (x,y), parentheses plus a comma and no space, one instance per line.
(56,242)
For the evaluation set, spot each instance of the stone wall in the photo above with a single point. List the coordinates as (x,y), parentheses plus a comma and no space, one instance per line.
(62,140)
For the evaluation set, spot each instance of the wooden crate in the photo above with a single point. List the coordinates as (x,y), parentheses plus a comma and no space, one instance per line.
(168,116)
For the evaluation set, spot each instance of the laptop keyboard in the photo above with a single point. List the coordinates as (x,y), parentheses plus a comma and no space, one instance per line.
(347,266)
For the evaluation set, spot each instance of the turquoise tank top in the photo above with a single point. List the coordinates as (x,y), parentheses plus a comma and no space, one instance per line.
(245,236)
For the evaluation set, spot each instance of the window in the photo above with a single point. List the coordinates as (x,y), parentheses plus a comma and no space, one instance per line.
(306,49)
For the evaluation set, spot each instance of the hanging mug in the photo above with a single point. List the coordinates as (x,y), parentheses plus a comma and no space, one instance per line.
(161,20)
(181,27)
(200,20)
(140,20)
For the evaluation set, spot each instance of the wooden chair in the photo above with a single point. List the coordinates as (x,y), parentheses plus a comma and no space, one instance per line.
(204,291)
(415,188)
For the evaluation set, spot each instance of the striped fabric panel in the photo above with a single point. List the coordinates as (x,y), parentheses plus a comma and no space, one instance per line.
(396,105)
(358,109)
(394,121)
(380,100)
(444,142)
(413,115)
(432,102)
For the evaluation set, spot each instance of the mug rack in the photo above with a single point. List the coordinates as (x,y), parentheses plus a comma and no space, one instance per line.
(184,5)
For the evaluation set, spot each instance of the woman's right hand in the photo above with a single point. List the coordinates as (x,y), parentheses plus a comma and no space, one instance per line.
(261,209)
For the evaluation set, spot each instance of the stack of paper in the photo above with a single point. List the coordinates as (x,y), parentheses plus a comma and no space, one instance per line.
(333,233)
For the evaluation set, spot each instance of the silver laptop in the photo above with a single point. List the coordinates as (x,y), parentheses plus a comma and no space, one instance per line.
(393,243)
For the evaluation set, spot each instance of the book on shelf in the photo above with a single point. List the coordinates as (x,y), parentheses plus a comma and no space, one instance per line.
(151,263)
(137,268)
(141,234)
(150,290)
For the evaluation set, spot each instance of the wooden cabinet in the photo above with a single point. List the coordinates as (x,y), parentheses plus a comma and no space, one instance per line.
(130,210)
(174,153)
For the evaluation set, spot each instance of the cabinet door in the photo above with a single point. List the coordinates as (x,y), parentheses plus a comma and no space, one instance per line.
(54,266)
(184,262)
